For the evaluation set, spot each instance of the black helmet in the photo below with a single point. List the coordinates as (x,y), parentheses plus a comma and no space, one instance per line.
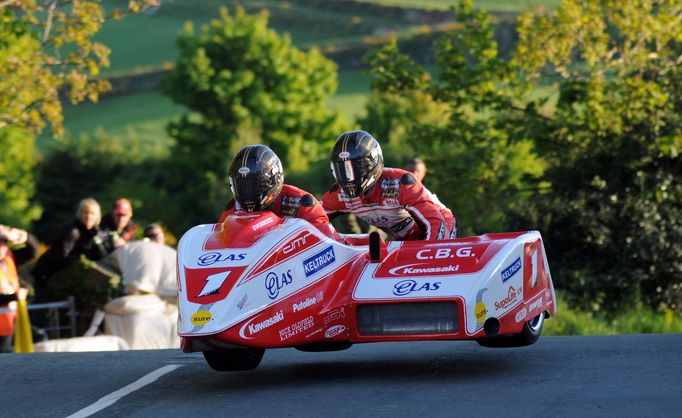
(256,177)
(357,162)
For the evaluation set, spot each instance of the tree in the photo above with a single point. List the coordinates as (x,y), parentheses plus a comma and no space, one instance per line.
(612,219)
(243,83)
(46,49)
(103,167)
(466,121)
(578,135)
(16,178)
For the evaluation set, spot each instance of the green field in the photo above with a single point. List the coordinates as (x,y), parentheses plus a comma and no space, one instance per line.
(148,41)
(514,6)
(145,115)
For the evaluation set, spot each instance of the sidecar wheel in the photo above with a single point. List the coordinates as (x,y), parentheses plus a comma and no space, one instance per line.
(529,335)
(234,359)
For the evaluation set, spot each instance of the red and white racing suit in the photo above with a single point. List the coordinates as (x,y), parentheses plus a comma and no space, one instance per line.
(296,203)
(400,205)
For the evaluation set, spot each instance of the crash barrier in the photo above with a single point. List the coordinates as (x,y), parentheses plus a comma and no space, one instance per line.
(54,314)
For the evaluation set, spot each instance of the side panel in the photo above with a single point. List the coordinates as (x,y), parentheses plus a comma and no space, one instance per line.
(495,275)
(220,290)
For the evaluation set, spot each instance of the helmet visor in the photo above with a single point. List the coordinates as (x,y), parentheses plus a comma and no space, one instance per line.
(251,191)
(343,171)
(352,175)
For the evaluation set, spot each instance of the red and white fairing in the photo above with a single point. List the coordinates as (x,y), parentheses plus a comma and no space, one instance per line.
(258,280)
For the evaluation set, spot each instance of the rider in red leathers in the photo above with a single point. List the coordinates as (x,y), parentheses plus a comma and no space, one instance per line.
(388,198)
(257,183)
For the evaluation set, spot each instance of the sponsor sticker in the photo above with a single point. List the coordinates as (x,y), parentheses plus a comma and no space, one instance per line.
(508,300)
(296,328)
(262,223)
(201,318)
(535,305)
(419,269)
(390,184)
(213,257)
(276,281)
(308,302)
(404,223)
(480,310)
(335,315)
(510,271)
(334,331)
(291,200)
(405,287)
(391,202)
(241,303)
(317,331)
(521,315)
(319,261)
(244,170)
(296,243)
(213,283)
(251,328)
(444,253)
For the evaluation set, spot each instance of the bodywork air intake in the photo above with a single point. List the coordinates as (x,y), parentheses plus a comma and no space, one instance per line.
(419,318)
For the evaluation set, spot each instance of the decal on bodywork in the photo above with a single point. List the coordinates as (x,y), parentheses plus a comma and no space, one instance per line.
(210,285)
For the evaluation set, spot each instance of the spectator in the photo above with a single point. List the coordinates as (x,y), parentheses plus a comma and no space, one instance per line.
(417,167)
(83,237)
(154,233)
(10,289)
(146,266)
(147,316)
(118,225)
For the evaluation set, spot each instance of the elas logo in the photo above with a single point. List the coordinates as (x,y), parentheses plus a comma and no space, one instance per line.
(274,282)
(213,257)
(406,287)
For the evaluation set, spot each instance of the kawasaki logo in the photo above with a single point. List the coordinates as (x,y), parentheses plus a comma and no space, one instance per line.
(259,326)
(410,269)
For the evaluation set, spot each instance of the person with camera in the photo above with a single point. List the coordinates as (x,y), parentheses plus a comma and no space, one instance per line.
(25,248)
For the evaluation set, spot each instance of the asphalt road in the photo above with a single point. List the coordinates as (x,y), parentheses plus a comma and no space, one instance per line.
(609,376)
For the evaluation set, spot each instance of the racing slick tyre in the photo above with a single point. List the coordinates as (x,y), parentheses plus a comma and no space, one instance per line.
(234,359)
(529,335)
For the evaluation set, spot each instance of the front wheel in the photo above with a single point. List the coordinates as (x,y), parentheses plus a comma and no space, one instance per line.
(234,359)
(529,335)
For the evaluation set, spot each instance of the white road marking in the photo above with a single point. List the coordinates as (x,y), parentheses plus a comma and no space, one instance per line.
(113,397)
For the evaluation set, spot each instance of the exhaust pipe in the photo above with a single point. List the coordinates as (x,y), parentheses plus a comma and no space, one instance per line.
(491,327)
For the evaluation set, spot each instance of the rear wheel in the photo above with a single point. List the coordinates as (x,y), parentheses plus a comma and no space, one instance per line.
(234,359)
(529,335)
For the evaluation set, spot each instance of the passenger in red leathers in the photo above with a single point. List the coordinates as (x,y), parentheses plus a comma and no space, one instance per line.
(388,198)
(257,183)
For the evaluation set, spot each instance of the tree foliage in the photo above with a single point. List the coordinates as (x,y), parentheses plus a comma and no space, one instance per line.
(465,122)
(47,47)
(16,178)
(46,51)
(102,167)
(578,136)
(612,219)
(243,83)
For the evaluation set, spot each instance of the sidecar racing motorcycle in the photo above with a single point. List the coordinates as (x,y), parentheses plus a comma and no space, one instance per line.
(258,281)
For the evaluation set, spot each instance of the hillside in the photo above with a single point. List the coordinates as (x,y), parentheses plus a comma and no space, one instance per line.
(143,50)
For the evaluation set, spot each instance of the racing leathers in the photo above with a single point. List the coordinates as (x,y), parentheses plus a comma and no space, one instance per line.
(399,204)
(296,203)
